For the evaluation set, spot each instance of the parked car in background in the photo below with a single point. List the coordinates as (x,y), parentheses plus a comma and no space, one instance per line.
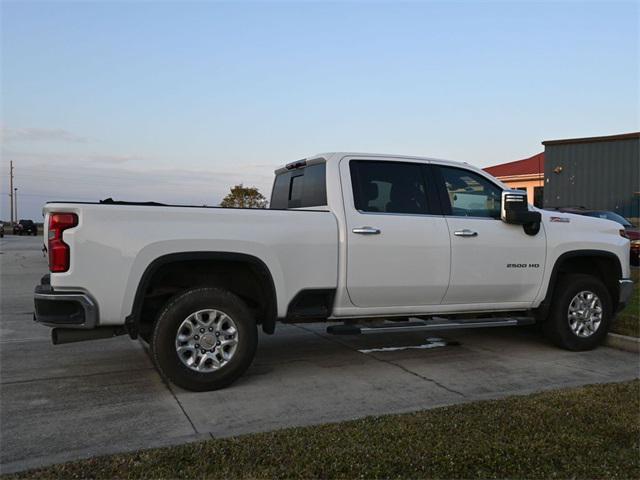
(1,230)
(632,232)
(25,227)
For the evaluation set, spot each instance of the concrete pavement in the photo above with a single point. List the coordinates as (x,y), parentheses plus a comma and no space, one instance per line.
(71,401)
(76,400)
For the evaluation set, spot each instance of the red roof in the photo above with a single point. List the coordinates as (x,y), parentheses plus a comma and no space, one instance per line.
(529,166)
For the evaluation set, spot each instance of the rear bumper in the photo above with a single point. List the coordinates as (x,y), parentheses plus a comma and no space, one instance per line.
(625,291)
(63,309)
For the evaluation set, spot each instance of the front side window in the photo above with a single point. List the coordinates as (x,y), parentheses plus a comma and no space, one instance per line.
(470,194)
(388,187)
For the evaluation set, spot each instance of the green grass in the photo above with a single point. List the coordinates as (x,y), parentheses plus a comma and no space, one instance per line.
(628,321)
(588,432)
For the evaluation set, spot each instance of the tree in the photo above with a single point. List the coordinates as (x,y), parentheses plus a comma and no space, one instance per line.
(244,197)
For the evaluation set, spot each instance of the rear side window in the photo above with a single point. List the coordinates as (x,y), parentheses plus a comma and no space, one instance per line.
(300,188)
(388,187)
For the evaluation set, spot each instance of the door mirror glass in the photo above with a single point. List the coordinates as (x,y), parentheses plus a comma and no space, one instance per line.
(515,208)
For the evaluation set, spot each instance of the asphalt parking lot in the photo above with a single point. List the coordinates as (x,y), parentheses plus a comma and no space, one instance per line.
(71,401)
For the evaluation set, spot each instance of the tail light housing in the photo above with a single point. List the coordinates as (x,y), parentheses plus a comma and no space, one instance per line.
(59,252)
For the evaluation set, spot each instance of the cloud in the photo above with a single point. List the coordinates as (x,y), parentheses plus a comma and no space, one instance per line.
(72,159)
(58,175)
(40,135)
(113,159)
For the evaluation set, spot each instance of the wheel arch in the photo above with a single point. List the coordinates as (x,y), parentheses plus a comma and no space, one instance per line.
(601,263)
(173,260)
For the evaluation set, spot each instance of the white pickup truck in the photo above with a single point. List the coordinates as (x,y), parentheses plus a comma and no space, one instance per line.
(376,242)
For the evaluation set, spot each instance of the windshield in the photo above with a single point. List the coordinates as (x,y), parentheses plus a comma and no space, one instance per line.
(611,216)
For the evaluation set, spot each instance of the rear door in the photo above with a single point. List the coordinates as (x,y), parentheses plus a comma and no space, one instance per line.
(491,261)
(398,246)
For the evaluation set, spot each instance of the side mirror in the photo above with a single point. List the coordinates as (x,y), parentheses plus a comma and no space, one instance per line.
(515,209)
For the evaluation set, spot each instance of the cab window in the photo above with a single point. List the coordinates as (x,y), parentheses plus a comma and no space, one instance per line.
(388,187)
(470,194)
(300,188)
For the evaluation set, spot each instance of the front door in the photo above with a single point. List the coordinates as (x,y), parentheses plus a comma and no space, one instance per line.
(491,262)
(397,246)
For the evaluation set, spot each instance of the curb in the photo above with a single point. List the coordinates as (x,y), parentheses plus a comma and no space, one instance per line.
(623,342)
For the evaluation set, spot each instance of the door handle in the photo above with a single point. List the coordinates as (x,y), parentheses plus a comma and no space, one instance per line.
(366,230)
(465,233)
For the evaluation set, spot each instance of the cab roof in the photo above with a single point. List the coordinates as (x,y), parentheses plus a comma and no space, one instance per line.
(330,157)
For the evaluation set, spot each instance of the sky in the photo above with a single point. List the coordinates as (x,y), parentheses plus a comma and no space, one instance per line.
(178,101)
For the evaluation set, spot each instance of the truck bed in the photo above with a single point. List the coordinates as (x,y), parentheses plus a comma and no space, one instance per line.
(118,241)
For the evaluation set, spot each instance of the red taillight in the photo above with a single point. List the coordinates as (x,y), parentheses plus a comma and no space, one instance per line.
(58,250)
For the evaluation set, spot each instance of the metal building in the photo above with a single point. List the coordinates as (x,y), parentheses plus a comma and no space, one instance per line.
(600,173)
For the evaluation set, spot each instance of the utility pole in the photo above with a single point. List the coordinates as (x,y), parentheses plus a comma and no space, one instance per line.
(11,189)
(15,201)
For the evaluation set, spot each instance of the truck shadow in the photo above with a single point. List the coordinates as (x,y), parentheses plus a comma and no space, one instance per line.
(311,345)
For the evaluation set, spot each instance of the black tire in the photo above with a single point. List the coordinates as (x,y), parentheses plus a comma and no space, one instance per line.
(163,346)
(557,328)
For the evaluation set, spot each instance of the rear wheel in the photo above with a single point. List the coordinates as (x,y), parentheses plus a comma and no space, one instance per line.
(581,313)
(204,339)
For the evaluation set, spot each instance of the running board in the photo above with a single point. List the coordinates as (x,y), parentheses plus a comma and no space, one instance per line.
(440,324)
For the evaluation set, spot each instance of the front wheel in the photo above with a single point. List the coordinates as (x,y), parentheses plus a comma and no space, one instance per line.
(204,339)
(581,313)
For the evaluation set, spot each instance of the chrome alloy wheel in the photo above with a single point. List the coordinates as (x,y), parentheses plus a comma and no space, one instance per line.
(585,314)
(206,340)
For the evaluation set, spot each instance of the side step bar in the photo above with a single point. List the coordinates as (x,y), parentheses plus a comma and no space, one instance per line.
(422,326)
